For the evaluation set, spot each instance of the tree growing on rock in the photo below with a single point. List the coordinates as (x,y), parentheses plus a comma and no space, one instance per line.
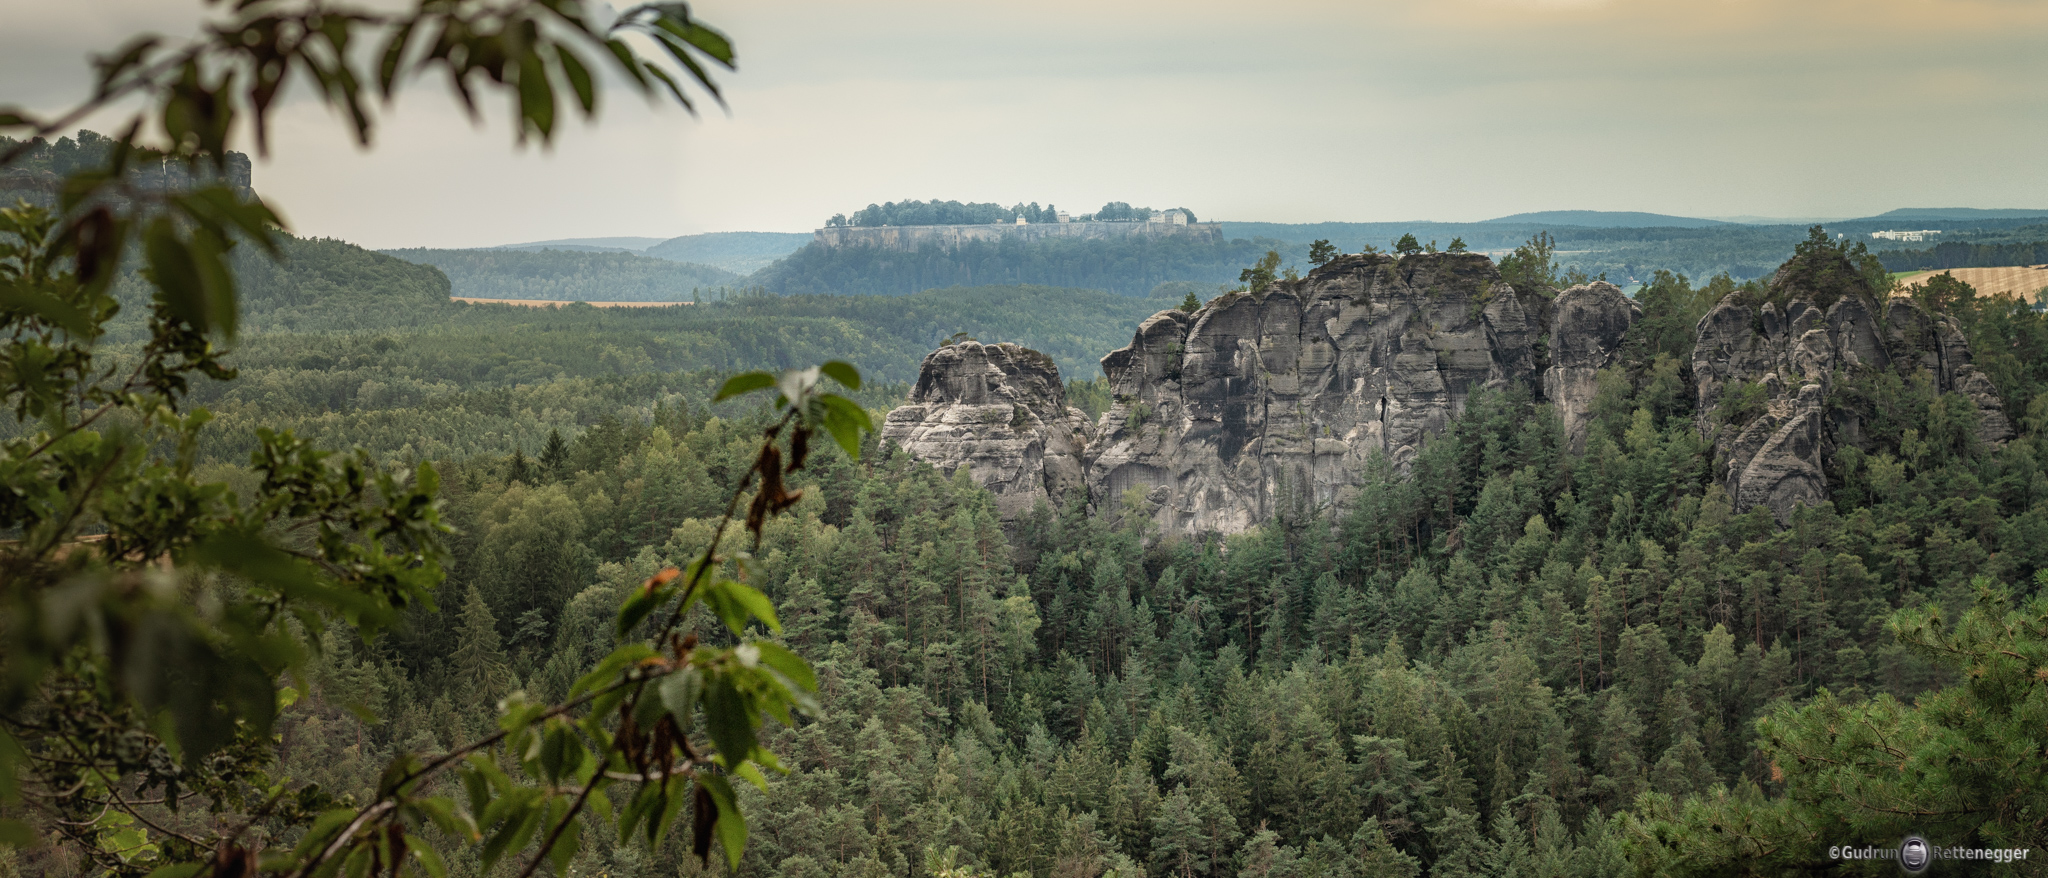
(1321,252)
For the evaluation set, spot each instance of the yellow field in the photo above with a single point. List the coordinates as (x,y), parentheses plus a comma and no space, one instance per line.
(543,303)
(2019,280)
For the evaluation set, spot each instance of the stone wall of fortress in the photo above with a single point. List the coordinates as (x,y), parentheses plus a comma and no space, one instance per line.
(910,238)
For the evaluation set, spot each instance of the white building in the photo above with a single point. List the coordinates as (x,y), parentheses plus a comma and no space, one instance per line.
(1921,235)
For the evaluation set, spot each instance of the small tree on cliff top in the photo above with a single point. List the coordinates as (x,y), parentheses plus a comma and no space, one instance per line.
(1321,252)
(1260,276)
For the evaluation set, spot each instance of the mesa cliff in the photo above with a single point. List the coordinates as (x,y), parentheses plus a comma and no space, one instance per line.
(1219,415)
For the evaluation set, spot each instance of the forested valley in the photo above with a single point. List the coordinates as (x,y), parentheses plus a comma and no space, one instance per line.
(310,570)
(1513,661)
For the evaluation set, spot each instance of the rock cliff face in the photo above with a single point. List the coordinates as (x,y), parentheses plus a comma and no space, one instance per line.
(1221,414)
(1773,441)
(1001,411)
(1217,412)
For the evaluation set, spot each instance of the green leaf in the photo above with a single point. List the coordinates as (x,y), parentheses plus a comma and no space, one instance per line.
(736,602)
(639,605)
(842,372)
(564,850)
(788,664)
(846,421)
(518,827)
(42,305)
(561,752)
(743,383)
(323,828)
(730,718)
(430,859)
(679,693)
(579,79)
(610,668)
(16,834)
(732,827)
(747,772)
(192,277)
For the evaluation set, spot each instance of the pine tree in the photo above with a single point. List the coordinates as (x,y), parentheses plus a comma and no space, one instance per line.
(1462,850)
(555,454)
(478,664)
(1321,252)
(517,470)
(1377,856)
(1178,846)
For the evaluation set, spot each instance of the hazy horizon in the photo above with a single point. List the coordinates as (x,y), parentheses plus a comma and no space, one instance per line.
(1305,112)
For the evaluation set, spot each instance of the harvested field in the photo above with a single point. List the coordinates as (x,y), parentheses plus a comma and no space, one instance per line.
(543,303)
(2016,280)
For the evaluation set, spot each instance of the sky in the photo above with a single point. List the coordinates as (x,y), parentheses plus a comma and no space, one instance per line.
(1368,110)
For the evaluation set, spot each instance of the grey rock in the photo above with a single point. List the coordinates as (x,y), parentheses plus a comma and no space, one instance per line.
(1795,354)
(1259,404)
(1222,416)
(1587,324)
(1001,411)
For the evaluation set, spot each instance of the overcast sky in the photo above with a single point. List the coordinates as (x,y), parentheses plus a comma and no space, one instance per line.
(1366,110)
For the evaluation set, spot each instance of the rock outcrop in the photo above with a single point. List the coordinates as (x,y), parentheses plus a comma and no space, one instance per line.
(1216,413)
(1222,415)
(1766,375)
(1587,325)
(1001,411)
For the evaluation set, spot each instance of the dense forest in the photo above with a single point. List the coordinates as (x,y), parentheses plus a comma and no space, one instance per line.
(1130,266)
(570,275)
(1481,670)
(48,160)
(1512,661)
(1965,254)
(941,213)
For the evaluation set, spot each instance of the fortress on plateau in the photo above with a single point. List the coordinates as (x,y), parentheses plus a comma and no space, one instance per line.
(909,239)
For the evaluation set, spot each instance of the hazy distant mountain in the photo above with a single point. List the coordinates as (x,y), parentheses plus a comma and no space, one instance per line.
(1753,220)
(565,275)
(633,244)
(737,252)
(1954,213)
(1609,219)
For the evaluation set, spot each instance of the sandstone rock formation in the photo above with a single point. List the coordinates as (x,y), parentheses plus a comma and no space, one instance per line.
(1788,359)
(1215,411)
(1220,414)
(1001,411)
(1587,324)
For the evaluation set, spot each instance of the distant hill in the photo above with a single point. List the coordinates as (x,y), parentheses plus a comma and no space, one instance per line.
(568,275)
(1954,213)
(1608,219)
(1753,220)
(633,244)
(1130,266)
(737,252)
